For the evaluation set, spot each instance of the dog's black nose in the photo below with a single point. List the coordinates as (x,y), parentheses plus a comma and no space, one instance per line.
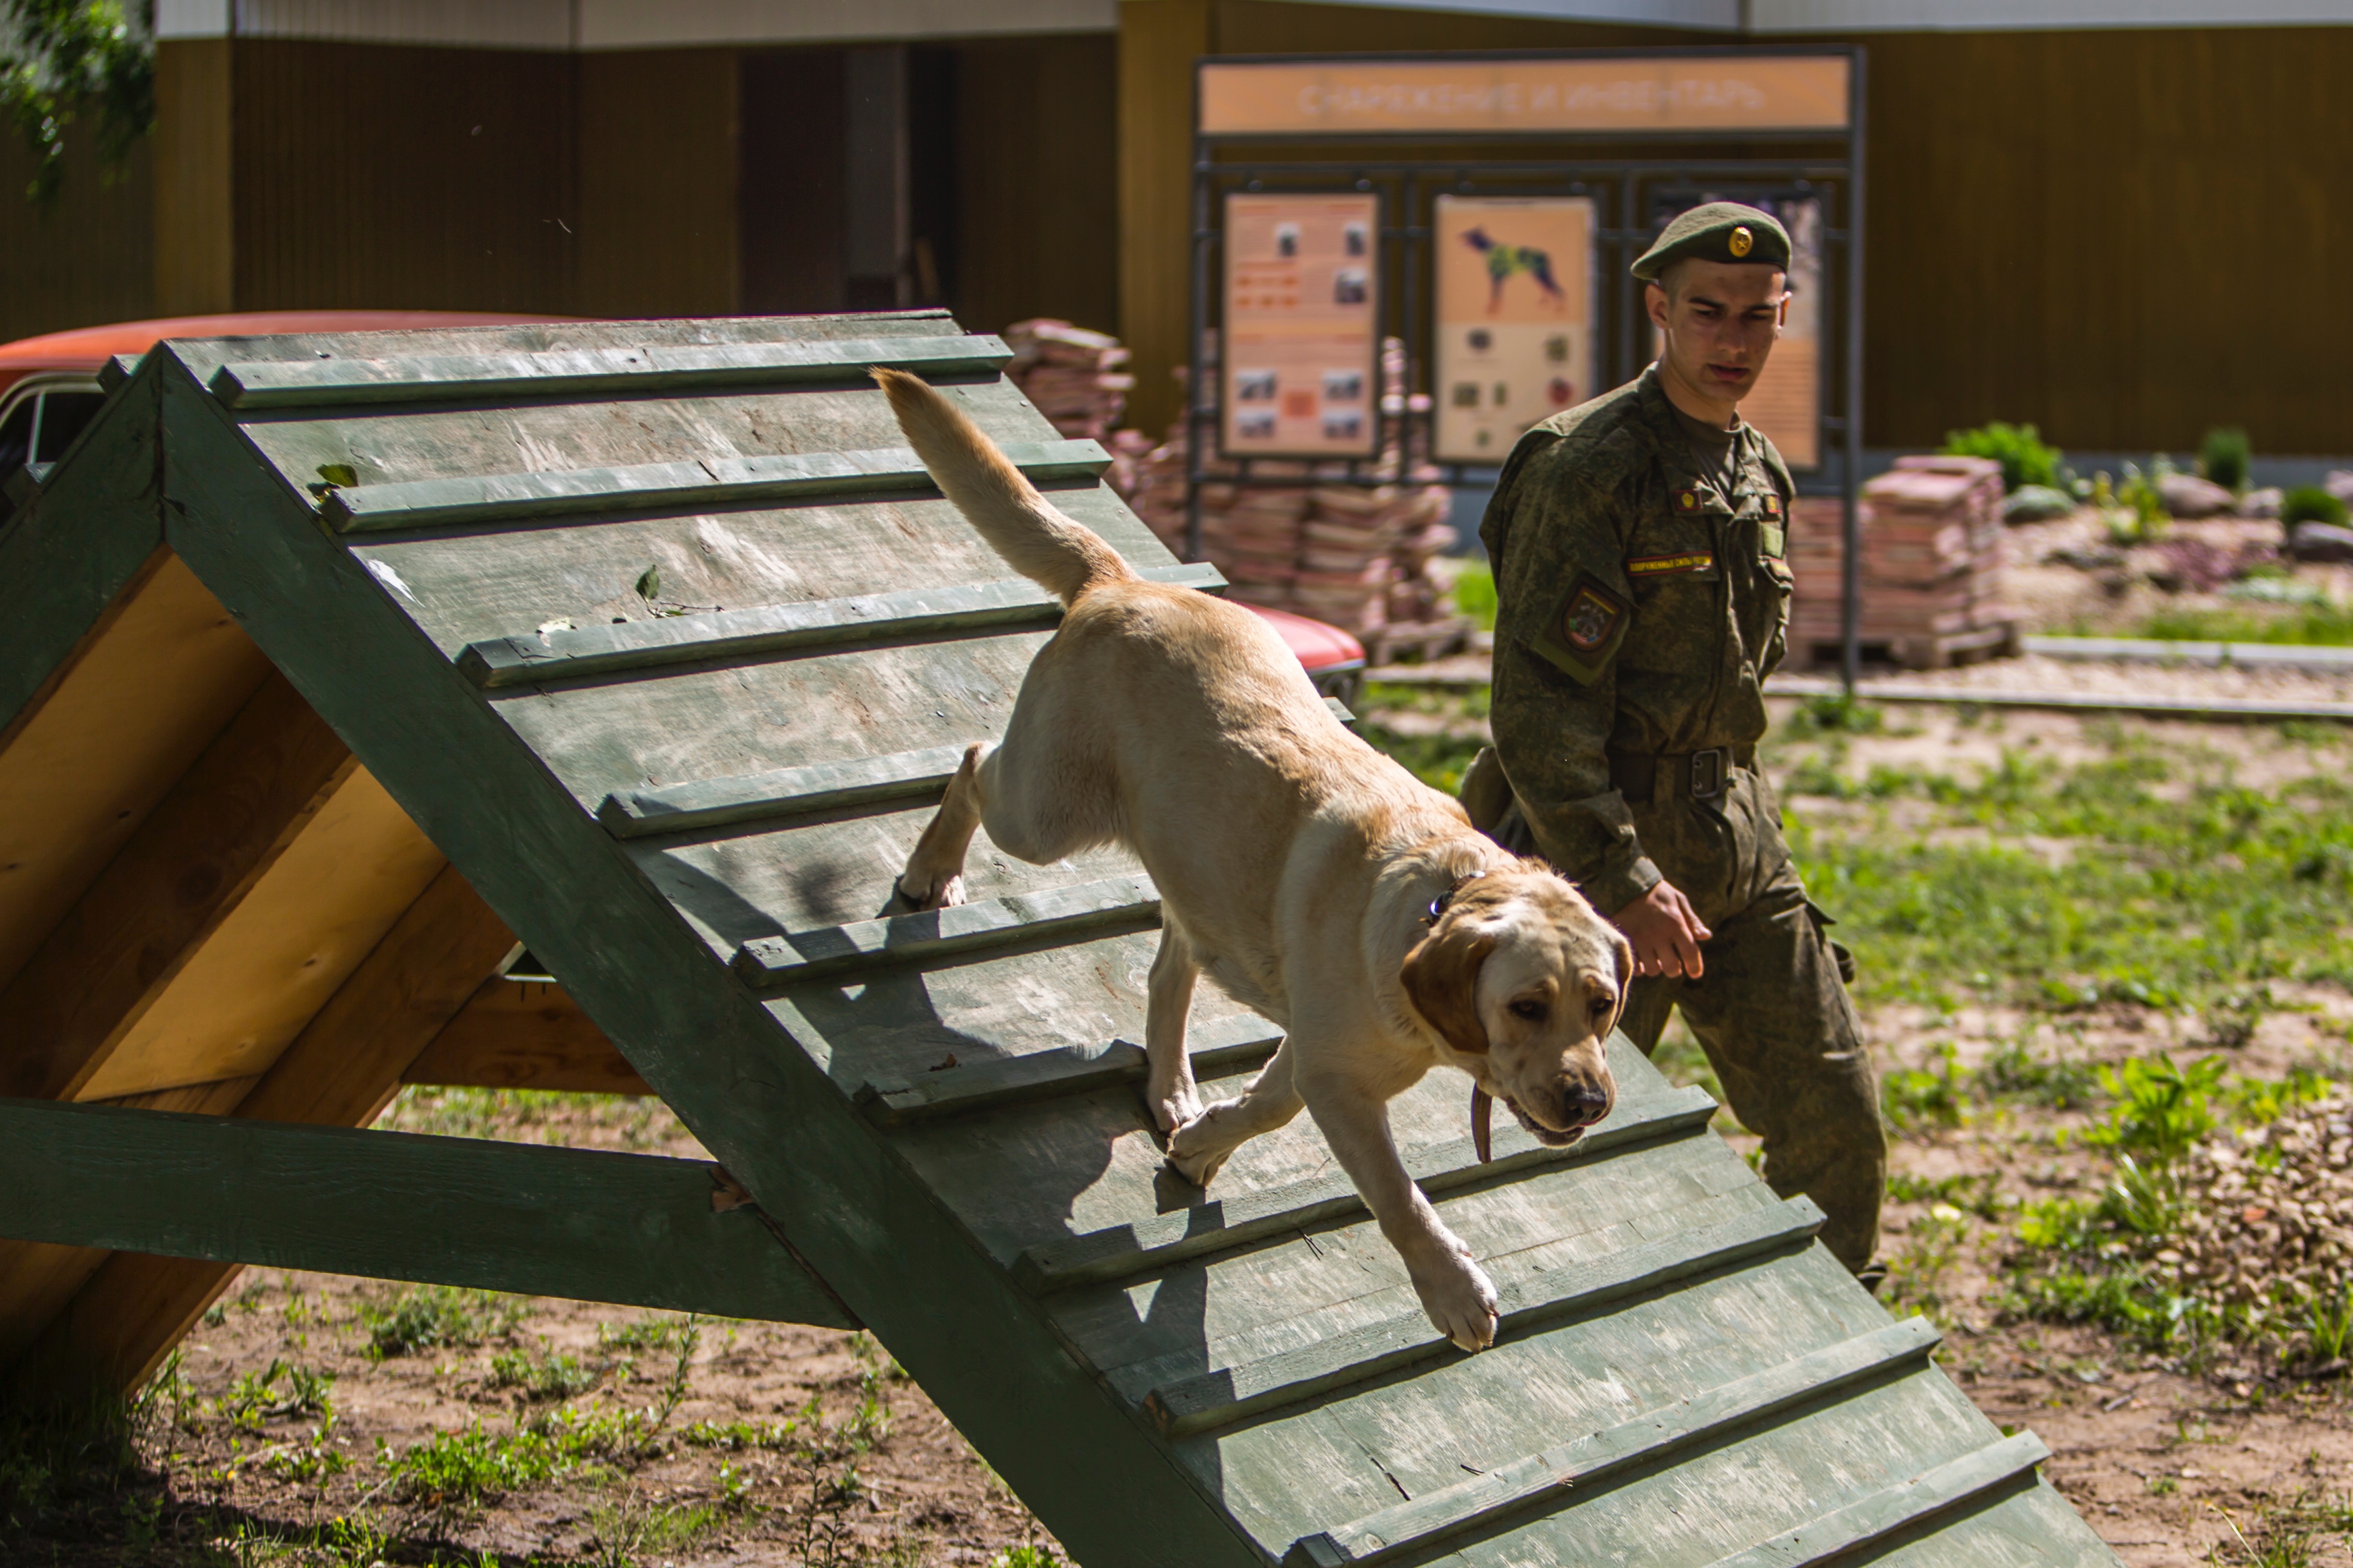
(1582,1105)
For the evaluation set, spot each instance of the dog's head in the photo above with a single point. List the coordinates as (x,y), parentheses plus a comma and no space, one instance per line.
(1524,982)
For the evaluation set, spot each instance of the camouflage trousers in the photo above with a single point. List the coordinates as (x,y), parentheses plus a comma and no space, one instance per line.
(1770,1008)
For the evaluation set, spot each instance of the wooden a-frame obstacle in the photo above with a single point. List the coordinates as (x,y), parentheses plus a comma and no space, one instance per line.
(334,666)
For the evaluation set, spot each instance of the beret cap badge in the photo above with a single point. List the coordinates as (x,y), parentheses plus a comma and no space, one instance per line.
(1741,241)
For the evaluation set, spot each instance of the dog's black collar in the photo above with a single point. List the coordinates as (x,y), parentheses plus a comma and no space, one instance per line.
(1437,905)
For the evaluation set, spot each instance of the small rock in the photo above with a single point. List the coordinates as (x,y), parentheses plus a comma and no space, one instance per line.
(2264,502)
(2036,503)
(2339,483)
(2321,542)
(2187,495)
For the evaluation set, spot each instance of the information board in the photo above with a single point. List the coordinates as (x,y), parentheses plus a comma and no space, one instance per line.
(1300,349)
(1514,327)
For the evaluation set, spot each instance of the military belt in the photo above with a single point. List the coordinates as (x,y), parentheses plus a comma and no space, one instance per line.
(1700,776)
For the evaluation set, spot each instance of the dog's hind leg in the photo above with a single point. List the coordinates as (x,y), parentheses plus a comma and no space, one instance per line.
(1199,1148)
(1167,1005)
(935,875)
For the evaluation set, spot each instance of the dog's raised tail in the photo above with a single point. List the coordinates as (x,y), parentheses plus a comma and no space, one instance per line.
(1064,557)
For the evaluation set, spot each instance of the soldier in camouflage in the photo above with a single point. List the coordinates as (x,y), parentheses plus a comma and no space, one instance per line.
(1638,544)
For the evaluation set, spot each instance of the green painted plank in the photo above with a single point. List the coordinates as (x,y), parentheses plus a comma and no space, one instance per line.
(97,524)
(707,481)
(1122,904)
(564,653)
(787,792)
(1703,1417)
(1234,1393)
(1245,1041)
(535,1220)
(1899,1508)
(1120,1252)
(610,372)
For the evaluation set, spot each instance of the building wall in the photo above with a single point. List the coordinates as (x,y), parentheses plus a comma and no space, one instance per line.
(2124,236)
(1036,166)
(90,256)
(658,184)
(377,176)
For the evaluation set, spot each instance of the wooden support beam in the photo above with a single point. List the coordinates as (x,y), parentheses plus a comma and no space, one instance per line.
(525,1035)
(1115,905)
(637,1229)
(565,655)
(706,482)
(228,820)
(341,1070)
(672,368)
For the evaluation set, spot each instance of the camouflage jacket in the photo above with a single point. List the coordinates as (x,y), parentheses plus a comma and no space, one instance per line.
(1639,610)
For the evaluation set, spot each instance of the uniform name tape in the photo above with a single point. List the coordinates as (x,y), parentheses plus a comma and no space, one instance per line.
(1663,566)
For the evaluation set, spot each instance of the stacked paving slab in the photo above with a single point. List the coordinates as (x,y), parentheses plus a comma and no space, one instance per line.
(689,800)
(1935,554)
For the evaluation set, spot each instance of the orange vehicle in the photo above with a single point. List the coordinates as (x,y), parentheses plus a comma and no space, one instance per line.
(48,392)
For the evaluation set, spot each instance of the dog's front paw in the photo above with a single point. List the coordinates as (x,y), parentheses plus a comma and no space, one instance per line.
(920,893)
(1457,1296)
(1174,1105)
(1194,1150)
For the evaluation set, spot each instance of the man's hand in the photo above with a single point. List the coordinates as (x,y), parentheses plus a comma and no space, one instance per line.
(1665,932)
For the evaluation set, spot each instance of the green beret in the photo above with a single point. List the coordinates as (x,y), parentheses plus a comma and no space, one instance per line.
(1720,231)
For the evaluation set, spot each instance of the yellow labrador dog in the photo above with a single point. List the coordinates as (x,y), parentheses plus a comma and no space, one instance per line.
(1315,882)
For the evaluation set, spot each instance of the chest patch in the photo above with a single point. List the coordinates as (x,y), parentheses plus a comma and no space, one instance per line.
(1772,504)
(1590,619)
(1689,501)
(1669,565)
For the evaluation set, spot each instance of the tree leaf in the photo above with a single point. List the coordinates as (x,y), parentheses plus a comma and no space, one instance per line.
(650,583)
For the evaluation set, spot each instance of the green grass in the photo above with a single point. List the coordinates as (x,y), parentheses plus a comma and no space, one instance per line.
(551,1374)
(2325,624)
(1475,594)
(434,1317)
(2178,887)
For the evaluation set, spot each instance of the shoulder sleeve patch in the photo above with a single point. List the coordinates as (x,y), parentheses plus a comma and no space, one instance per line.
(1584,632)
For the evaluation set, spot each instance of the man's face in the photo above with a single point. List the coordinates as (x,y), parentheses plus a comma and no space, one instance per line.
(1720,318)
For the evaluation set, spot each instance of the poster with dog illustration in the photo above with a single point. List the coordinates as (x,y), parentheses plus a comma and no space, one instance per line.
(1302,314)
(1514,325)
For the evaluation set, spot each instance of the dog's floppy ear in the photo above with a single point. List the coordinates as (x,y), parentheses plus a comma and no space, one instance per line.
(1623,951)
(1442,981)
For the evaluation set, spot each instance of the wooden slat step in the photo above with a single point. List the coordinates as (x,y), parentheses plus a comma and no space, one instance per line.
(1220,1398)
(796,792)
(1487,1502)
(1124,904)
(1898,1508)
(610,373)
(1226,1046)
(787,791)
(1121,1251)
(707,482)
(564,654)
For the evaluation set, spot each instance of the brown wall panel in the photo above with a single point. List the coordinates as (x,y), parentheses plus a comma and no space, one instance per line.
(377,177)
(658,199)
(1037,170)
(2124,236)
(88,258)
(192,215)
(790,192)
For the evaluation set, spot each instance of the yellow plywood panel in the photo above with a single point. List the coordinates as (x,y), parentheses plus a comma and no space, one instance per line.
(152,684)
(306,924)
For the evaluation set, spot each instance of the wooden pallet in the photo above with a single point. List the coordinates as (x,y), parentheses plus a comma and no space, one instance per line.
(1416,640)
(318,612)
(1944,650)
